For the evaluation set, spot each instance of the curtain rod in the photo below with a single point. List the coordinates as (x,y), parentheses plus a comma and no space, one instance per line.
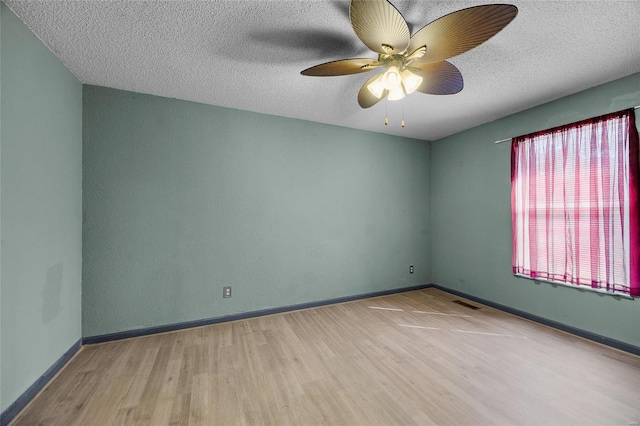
(508,139)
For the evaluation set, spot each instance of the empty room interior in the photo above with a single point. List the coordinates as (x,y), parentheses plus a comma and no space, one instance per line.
(210,215)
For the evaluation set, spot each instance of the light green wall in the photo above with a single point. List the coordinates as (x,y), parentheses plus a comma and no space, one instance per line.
(181,199)
(41,208)
(471,222)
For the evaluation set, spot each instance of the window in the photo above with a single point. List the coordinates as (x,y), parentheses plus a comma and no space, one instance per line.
(574,204)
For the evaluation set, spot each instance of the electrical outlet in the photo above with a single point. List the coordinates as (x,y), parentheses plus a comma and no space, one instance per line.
(411,269)
(226,292)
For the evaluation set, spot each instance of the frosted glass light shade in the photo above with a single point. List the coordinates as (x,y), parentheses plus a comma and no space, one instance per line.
(376,87)
(396,94)
(396,82)
(410,81)
(392,78)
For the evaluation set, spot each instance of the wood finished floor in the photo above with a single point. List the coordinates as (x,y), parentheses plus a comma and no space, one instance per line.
(426,361)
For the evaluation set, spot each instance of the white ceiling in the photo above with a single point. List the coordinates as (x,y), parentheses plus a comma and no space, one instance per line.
(248,55)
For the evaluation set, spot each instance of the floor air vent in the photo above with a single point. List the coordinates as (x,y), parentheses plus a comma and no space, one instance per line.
(465,304)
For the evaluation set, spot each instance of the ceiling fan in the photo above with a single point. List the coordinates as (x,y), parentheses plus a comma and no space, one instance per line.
(413,63)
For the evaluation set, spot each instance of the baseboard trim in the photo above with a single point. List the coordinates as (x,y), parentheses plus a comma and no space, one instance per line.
(240,316)
(13,409)
(627,347)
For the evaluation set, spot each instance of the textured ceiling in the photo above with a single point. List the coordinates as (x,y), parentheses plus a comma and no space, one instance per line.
(248,55)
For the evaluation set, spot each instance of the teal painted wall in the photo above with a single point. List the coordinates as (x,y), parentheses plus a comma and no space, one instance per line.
(471,222)
(41,208)
(181,199)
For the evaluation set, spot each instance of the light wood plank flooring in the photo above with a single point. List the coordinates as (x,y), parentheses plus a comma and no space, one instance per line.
(411,358)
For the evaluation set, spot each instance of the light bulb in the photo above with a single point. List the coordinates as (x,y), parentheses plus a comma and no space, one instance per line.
(410,81)
(376,87)
(396,93)
(392,78)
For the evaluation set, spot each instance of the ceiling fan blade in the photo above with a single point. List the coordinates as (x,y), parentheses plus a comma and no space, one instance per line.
(379,25)
(341,67)
(366,99)
(439,78)
(461,31)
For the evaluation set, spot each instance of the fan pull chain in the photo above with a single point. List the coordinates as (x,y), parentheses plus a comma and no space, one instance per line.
(386,112)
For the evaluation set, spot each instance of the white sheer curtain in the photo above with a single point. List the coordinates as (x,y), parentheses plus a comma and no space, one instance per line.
(571,203)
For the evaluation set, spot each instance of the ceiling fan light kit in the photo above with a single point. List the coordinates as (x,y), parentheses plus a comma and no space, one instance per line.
(413,62)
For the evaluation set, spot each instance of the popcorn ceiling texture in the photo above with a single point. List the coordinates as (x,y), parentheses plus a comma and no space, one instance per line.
(248,55)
